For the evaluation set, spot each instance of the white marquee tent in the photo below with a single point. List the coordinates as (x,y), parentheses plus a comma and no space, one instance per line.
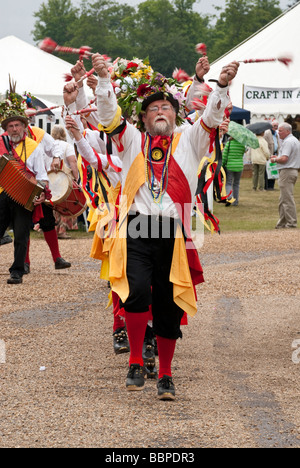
(271,88)
(34,71)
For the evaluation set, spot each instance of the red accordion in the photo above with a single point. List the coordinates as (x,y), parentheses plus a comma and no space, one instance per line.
(17,183)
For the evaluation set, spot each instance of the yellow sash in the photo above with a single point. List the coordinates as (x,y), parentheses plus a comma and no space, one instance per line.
(38,133)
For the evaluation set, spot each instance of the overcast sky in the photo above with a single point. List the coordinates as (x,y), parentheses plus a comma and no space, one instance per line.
(16,18)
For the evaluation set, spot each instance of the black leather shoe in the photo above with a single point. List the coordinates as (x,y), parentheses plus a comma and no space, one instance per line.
(166,388)
(15,279)
(121,344)
(26,269)
(6,240)
(61,264)
(135,379)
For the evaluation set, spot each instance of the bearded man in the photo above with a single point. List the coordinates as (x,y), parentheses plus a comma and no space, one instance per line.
(15,141)
(152,259)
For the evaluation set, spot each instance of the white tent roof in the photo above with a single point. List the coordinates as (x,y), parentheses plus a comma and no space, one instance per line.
(35,71)
(279,38)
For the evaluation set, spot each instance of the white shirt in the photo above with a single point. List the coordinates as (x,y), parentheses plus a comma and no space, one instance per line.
(66,151)
(192,147)
(87,152)
(35,163)
(290,147)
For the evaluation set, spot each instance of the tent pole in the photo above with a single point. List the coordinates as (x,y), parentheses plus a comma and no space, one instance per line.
(243,90)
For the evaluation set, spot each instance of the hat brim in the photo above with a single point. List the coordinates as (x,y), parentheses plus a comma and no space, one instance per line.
(160,96)
(13,118)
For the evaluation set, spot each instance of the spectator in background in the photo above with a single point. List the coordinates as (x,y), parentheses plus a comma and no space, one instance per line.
(259,158)
(296,132)
(233,163)
(272,138)
(288,162)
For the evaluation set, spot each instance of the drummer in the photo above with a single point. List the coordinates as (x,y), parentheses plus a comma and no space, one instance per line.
(69,167)
(47,223)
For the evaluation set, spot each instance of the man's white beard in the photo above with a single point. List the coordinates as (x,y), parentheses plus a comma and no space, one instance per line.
(163,127)
(16,138)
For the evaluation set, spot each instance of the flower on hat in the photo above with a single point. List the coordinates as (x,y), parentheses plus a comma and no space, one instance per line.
(14,105)
(135,81)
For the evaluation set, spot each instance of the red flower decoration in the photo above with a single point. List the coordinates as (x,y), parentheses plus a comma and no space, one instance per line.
(131,65)
(143,89)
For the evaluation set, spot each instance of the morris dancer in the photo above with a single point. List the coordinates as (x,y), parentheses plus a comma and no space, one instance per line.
(91,145)
(159,183)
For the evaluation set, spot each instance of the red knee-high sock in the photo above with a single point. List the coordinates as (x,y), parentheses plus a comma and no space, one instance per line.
(27,259)
(118,322)
(136,328)
(166,350)
(52,241)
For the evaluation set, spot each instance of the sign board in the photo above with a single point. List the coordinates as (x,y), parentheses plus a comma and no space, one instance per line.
(255,95)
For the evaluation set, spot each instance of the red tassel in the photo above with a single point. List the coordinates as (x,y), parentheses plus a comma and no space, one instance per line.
(201,48)
(68,77)
(48,45)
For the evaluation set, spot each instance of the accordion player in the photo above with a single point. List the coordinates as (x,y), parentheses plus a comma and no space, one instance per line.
(21,188)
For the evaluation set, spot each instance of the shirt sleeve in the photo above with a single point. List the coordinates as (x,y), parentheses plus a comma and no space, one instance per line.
(287,148)
(82,102)
(52,148)
(201,133)
(106,102)
(87,153)
(36,164)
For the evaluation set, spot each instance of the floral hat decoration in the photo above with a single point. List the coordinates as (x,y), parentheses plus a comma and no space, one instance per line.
(137,85)
(14,106)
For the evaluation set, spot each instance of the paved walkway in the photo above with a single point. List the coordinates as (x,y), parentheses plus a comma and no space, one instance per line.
(236,370)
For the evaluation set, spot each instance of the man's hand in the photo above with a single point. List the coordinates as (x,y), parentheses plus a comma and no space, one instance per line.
(55,165)
(224,126)
(70,93)
(78,71)
(72,127)
(202,67)
(92,82)
(100,65)
(40,200)
(228,73)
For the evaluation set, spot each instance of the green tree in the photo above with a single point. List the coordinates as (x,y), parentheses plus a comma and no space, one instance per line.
(168,39)
(104,25)
(53,20)
(239,20)
(166,31)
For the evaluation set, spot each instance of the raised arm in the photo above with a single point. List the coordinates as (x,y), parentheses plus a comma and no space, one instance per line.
(108,111)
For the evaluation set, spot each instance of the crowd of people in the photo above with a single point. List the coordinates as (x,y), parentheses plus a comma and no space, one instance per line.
(143,146)
(276,158)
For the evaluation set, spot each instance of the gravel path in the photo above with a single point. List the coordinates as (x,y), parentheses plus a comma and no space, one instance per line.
(237,384)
